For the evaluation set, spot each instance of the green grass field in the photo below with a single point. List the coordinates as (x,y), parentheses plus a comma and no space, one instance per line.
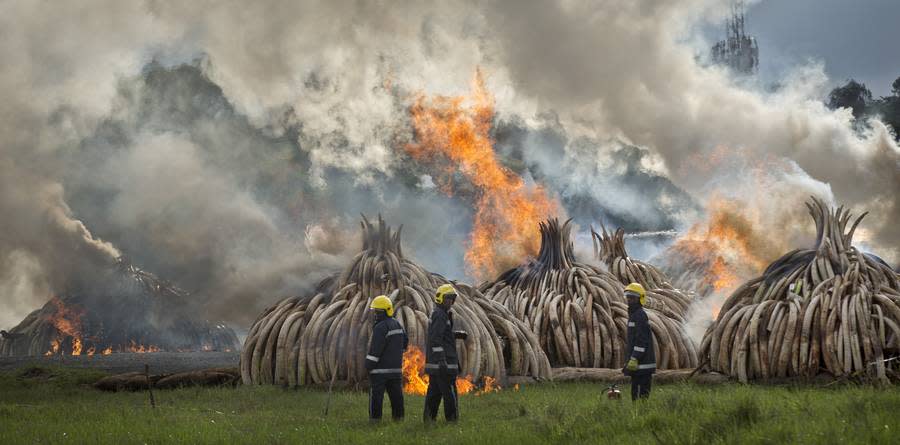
(60,408)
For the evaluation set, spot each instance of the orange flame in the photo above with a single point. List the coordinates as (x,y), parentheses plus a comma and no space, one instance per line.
(414,371)
(740,237)
(725,246)
(455,133)
(464,385)
(490,385)
(723,278)
(141,349)
(54,347)
(76,346)
(416,380)
(67,321)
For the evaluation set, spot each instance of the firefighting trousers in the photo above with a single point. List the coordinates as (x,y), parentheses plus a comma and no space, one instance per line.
(394,387)
(640,386)
(441,387)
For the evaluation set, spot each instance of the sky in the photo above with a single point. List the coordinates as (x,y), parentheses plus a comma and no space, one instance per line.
(853,39)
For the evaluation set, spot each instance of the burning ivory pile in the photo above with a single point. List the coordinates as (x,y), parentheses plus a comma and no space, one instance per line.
(578,310)
(122,309)
(315,340)
(831,308)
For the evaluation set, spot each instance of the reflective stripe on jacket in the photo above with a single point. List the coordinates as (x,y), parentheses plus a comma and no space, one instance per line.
(640,342)
(385,355)
(441,343)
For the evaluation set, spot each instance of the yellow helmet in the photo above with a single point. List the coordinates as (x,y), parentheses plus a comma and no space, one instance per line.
(444,291)
(636,288)
(384,303)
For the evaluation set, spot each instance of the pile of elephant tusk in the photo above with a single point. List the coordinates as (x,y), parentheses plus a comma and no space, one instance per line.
(609,247)
(313,340)
(578,311)
(829,309)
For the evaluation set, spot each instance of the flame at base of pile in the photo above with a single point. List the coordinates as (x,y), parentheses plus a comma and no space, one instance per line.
(415,380)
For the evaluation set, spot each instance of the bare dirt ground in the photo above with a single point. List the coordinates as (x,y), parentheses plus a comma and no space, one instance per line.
(160,362)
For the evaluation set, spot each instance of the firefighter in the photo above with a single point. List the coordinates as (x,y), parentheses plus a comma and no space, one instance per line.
(441,362)
(385,359)
(641,362)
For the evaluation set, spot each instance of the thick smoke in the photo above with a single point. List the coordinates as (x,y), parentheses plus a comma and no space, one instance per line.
(620,69)
(49,94)
(617,70)
(598,181)
(230,146)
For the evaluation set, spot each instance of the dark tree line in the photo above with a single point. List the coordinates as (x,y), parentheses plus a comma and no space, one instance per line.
(857,97)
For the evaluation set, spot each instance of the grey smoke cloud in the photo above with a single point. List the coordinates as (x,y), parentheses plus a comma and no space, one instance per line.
(232,188)
(232,213)
(619,67)
(60,66)
(615,69)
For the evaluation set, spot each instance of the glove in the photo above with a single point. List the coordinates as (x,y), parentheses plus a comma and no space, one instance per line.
(632,364)
(443,365)
(460,335)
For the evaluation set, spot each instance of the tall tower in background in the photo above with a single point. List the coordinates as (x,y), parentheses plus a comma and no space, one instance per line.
(738,51)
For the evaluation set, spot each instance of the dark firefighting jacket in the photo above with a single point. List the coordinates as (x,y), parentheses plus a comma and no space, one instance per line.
(441,343)
(639,341)
(385,356)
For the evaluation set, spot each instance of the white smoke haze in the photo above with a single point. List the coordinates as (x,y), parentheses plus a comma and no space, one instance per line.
(765,198)
(231,146)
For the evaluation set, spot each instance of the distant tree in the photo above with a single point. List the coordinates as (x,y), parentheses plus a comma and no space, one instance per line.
(857,97)
(888,109)
(853,95)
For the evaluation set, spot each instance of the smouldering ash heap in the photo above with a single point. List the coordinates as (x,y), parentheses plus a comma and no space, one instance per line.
(229,147)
